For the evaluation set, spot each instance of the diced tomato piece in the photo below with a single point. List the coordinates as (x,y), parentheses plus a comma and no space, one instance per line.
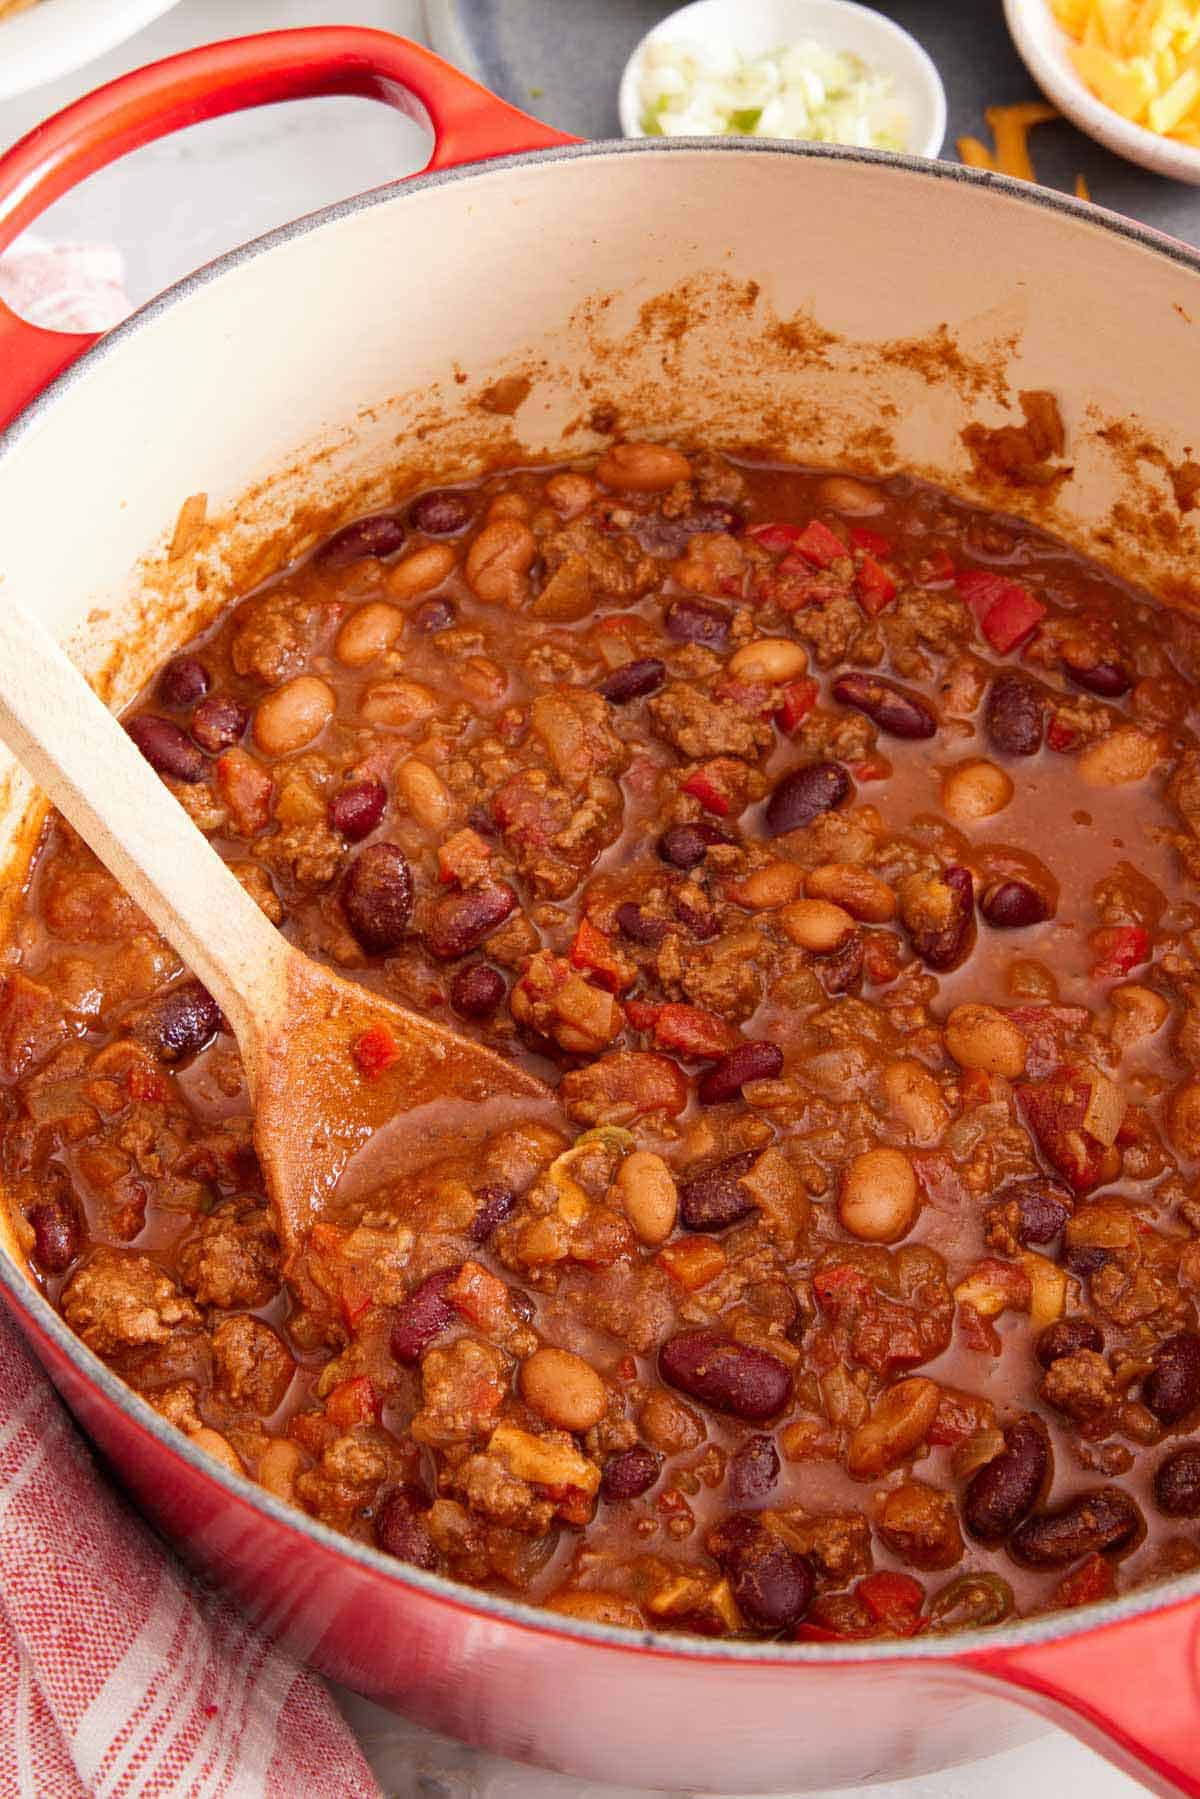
(598,954)
(874,542)
(875,768)
(691,1031)
(693,1261)
(375,1050)
(1054,1111)
(1061,737)
(146,1083)
(1119,948)
(939,565)
(775,535)
(841,1286)
(1093,1579)
(481,1297)
(796,701)
(1007,612)
(702,787)
(874,588)
(895,1600)
(819,545)
(354,1402)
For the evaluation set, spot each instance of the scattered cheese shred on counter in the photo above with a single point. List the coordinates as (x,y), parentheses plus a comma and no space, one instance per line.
(1010,127)
(1141,57)
(802,90)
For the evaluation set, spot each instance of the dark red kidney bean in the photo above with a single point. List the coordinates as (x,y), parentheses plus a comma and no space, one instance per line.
(183,682)
(57,1235)
(772,1584)
(185,1019)
(1007,905)
(1014,716)
(495,1205)
(441,512)
(357,809)
(219,722)
(459,922)
(669,536)
(753,1470)
(630,1473)
(693,620)
(475,992)
(434,615)
(377,897)
(803,794)
(633,680)
(730,1377)
(1107,680)
(167,749)
(945,946)
(1067,1336)
(758,1061)
(1177,1484)
(1006,1489)
(1105,1521)
(685,846)
(425,1314)
(639,926)
(401,1530)
(379,535)
(1042,1210)
(1083,1259)
(715,1198)
(1172,1387)
(897,713)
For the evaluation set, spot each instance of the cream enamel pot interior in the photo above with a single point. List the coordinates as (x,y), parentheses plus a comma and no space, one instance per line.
(845,306)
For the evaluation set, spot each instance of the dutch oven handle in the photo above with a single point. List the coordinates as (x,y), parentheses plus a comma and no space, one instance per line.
(1129,1690)
(469,125)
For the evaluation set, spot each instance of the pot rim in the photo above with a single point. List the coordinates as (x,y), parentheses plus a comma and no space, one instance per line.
(25,1297)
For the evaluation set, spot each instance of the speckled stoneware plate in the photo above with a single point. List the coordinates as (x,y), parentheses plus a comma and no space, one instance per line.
(562,61)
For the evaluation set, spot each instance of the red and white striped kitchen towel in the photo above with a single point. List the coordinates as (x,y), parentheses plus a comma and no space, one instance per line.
(121,1675)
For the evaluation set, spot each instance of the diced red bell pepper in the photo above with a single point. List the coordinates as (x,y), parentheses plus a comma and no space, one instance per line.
(375,1050)
(1007,612)
(874,542)
(774,535)
(841,1286)
(599,955)
(1054,1111)
(796,701)
(1093,1579)
(1119,949)
(690,1031)
(875,768)
(702,787)
(894,1599)
(874,588)
(354,1402)
(819,545)
(481,1297)
(1062,737)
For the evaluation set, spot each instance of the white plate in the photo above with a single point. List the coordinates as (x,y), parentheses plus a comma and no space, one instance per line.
(757,27)
(55,36)
(1045,49)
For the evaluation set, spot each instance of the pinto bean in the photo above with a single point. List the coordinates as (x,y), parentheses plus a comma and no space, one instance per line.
(425,1314)
(1105,1521)
(1013,715)
(421,571)
(563,1389)
(369,631)
(773,1585)
(1066,1337)
(842,493)
(167,749)
(183,682)
(219,722)
(443,512)
(1172,1387)
(857,890)
(1177,1483)
(401,1530)
(753,1470)
(424,793)
(294,715)
(897,713)
(649,1196)
(983,1037)
(377,897)
(459,922)
(770,660)
(693,620)
(378,535)
(634,680)
(1009,905)
(1127,754)
(975,789)
(218,1447)
(715,1198)
(730,1377)
(803,794)
(498,561)
(879,1198)
(642,467)
(630,1473)
(1005,1490)
(817,925)
(278,1465)
(758,1061)
(901,1420)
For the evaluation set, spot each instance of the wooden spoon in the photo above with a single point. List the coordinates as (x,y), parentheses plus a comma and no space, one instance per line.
(297,1024)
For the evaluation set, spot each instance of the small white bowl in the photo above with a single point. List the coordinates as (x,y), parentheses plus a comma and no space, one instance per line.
(1045,49)
(50,39)
(756,27)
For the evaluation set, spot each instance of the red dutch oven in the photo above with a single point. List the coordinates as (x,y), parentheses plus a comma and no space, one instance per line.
(848,306)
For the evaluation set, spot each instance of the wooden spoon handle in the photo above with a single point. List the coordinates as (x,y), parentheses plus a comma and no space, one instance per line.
(80,756)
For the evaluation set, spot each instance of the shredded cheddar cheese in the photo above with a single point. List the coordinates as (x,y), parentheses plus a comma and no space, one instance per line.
(1141,57)
(1010,127)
